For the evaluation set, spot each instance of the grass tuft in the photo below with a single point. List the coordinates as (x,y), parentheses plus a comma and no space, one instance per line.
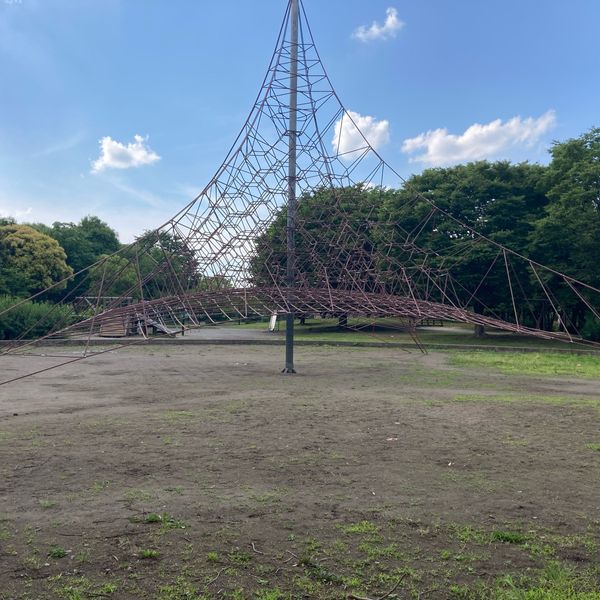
(57,552)
(508,537)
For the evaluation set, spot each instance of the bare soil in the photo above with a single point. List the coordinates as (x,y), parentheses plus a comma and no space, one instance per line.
(192,472)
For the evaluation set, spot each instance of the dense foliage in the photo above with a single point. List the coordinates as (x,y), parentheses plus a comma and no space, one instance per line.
(84,244)
(30,261)
(550,214)
(31,319)
(158,259)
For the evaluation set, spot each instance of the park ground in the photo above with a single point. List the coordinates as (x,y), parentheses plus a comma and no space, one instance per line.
(200,472)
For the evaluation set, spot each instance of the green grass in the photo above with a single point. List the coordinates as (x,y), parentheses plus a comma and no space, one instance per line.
(57,552)
(360,330)
(531,363)
(178,416)
(239,557)
(556,582)
(508,537)
(269,595)
(269,497)
(372,558)
(575,401)
(595,447)
(181,589)
(167,522)
(364,527)
(80,588)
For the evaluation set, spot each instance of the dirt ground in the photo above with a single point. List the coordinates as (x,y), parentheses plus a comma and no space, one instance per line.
(184,473)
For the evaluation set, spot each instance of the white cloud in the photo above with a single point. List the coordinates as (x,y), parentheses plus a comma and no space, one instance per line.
(376,31)
(351,130)
(115,155)
(478,141)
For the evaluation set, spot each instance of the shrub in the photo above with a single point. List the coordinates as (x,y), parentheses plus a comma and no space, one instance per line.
(591,328)
(31,319)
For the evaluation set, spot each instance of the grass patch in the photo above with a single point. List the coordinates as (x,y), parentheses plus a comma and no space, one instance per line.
(239,557)
(363,527)
(391,330)
(270,496)
(556,582)
(580,402)
(467,533)
(149,554)
(80,588)
(177,416)
(531,363)
(167,522)
(135,495)
(508,537)
(181,589)
(57,552)
(595,447)
(269,595)
(513,398)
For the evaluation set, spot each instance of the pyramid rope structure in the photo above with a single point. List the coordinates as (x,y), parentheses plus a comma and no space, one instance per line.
(223,256)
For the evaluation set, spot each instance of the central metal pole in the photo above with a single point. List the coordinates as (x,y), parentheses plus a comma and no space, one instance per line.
(292,177)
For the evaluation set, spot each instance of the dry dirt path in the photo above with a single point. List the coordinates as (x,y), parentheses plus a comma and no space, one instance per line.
(192,472)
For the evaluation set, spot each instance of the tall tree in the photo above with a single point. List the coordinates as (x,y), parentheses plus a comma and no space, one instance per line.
(157,264)
(499,200)
(30,261)
(84,243)
(568,236)
(334,236)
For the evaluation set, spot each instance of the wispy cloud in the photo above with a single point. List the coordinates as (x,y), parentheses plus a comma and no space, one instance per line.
(61,146)
(351,130)
(148,198)
(376,31)
(491,140)
(115,155)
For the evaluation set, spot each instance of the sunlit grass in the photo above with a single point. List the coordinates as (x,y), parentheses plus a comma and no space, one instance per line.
(531,363)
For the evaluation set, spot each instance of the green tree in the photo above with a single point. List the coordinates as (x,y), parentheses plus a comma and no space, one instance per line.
(335,236)
(84,243)
(30,261)
(568,236)
(499,200)
(157,264)
(389,240)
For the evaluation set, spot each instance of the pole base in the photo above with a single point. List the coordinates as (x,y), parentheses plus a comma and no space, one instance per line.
(288,371)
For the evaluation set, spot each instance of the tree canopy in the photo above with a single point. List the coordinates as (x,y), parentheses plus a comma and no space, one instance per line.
(30,261)
(147,269)
(84,243)
(548,213)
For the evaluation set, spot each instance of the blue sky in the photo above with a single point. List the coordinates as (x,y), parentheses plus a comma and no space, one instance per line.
(443,81)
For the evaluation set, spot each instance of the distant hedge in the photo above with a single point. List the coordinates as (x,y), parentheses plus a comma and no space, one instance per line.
(31,319)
